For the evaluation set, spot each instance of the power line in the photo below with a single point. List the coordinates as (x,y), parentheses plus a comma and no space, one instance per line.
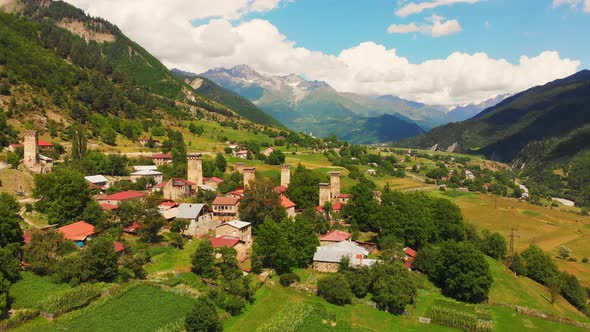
(511,254)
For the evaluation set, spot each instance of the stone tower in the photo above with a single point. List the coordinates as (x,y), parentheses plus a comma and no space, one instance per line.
(249,176)
(334,185)
(31,148)
(194,168)
(240,167)
(285,174)
(324,193)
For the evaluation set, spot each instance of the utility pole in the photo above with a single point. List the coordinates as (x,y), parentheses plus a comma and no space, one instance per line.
(510,260)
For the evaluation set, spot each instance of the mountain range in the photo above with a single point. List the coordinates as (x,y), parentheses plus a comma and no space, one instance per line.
(316,107)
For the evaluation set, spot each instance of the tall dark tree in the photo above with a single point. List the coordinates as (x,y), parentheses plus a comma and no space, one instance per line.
(228,264)
(393,287)
(494,245)
(10,231)
(303,187)
(203,260)
(79,141)
(63,195)
(360,208)
(462,272)
(272,248)
(220,162)
(261,202)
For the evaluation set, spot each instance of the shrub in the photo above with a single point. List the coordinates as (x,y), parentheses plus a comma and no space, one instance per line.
(564,252)
(28,207)
(203,317)
(234,304)
(71,299)
(335,289)
(287,279)
(585,260)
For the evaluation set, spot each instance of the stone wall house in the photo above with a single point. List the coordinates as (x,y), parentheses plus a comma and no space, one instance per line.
(327,258)
(200,218)
(236,228)
(178,188)
(226,208)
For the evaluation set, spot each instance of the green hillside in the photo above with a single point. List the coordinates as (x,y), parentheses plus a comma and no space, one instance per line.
(237,103)
(541,130)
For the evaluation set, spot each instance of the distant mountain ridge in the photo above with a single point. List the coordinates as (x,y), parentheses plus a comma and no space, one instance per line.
(314,106)
(555,116)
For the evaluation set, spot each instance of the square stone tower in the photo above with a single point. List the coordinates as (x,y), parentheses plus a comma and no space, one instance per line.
(240,167)
(334,185)
(31,148)
(285,174)
(194,168)
(249,176)
(324,193)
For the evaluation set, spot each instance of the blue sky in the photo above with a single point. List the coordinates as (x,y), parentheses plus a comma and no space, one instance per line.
(448,52)
(501,28)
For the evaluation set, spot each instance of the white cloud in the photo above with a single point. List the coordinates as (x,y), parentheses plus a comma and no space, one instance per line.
(166,31)
(418,7)
(438,27)
(573,4)
(403,28)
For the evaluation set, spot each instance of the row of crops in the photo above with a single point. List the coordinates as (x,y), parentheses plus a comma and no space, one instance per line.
(462,316)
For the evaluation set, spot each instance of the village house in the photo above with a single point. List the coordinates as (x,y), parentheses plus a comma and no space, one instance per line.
(344,198)
(469,175)
(177,188)
(289,206)
(230,242)
(327,258)
(242,154)
(334,236)
(97,181)
(162,159)
(32,159)
(372,172)
(117,198)
(238,193)
(226,207)
(145,168)
(280,190)
(158,177)
(268,151)
(410,257)
(200,219)
(132,229)
(236,228)
(80,232)
(212,182)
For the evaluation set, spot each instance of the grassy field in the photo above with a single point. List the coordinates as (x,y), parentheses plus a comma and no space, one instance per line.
(142,308)
(12,180)
(33,289)
(178,260)
(360,316)
(547,228)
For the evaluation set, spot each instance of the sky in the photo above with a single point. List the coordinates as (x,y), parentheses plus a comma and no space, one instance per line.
(447,52)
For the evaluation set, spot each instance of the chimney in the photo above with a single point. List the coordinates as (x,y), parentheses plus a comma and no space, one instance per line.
(285,174)
(334,185)
(194,168)
(324,193)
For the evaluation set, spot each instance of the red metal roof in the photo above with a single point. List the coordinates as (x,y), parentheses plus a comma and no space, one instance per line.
(238,192)
(225,200)
(214,179)
(119,246)
(77,231)
(169,204)
(123,195)
(242,152)
(336,236)
(344,196)
(224,241)
(287,203)
(161,184)
(181,182)
(162,156)
(108,207)
(132,228)
(335,207)
(410,252)
(281,189)
(45,144)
